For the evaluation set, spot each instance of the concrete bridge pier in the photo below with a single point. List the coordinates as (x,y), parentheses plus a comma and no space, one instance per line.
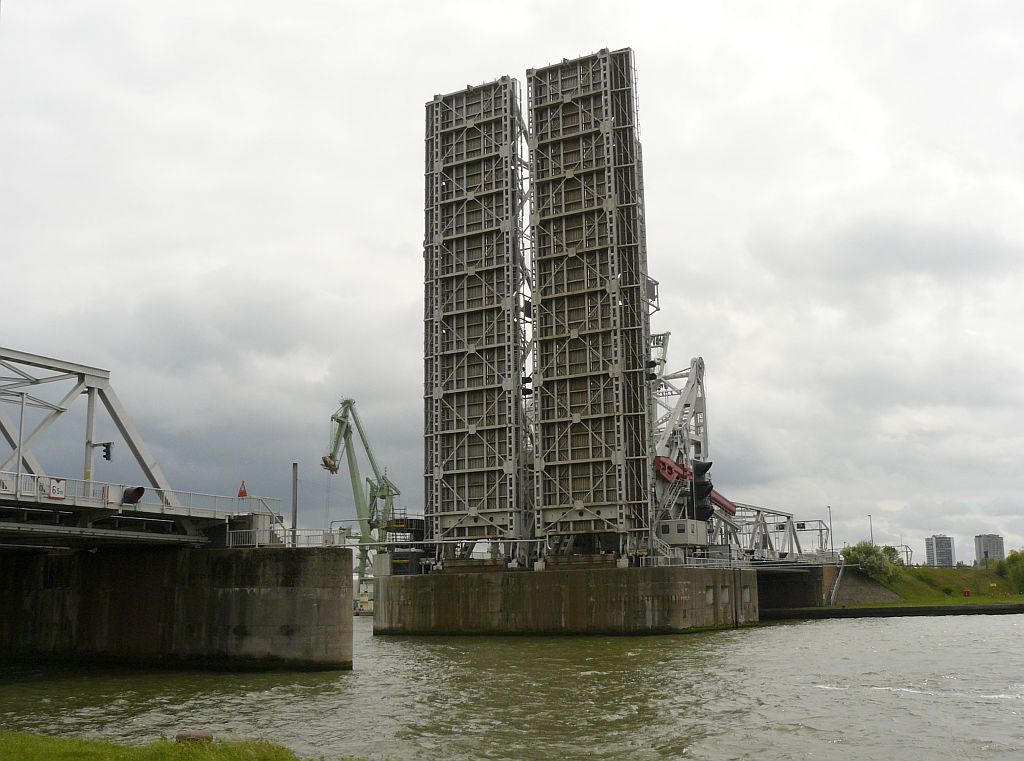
(565,601)
(227,608)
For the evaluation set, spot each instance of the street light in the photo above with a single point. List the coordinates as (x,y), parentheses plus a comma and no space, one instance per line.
(871,529)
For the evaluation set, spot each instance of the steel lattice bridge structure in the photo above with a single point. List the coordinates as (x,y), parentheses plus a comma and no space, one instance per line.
(44,510)
(552,424)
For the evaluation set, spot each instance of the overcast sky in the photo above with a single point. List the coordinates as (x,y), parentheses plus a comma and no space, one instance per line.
(222,204)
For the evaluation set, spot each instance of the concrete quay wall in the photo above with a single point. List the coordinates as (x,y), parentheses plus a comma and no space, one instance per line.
(796,587)
(577,601)
(229,608)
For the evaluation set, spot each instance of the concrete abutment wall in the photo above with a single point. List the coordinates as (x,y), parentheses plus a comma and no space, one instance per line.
(798,587)
(583,601)
(231,608)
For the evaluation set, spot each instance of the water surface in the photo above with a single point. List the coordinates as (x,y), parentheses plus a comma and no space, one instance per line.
(906,688)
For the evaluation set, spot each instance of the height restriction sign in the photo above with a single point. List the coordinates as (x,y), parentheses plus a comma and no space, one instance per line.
(58,488)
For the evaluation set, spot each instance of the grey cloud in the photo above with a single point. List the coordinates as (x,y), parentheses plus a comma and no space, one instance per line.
(870,250)
(226,200)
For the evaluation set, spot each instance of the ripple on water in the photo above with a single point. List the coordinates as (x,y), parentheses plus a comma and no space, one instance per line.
(894,688)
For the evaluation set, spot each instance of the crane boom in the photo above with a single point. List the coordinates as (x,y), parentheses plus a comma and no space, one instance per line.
(366,443)
(684,435)
(375,504)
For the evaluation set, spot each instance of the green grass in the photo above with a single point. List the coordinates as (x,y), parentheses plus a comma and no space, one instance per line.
(944,586)
(28,747)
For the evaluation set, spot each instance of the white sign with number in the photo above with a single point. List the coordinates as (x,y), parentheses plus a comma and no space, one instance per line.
(58,488)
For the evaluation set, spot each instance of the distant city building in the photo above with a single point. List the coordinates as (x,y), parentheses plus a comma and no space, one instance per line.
(939,551)
(988,549)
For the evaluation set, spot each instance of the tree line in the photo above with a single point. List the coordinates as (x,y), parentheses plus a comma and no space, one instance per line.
(884,564)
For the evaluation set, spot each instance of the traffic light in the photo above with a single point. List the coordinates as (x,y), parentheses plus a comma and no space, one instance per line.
(701,490)
(651,375)
(106,450)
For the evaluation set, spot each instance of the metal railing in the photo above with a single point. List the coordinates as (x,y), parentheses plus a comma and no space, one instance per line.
(661,547)
(657,561)
(678,558)
(835,584)
(53,491)
(279,536)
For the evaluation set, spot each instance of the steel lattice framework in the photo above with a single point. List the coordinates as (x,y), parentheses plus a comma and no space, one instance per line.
(475,346)
(591,302)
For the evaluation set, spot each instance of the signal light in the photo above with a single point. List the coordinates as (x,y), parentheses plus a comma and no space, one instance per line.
(106,450)
(700,490)
(132,495)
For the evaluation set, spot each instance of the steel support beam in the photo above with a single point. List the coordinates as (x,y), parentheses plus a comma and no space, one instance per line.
(9,430)
(90,381)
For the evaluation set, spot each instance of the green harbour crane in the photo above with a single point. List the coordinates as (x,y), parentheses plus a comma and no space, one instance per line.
(375,503)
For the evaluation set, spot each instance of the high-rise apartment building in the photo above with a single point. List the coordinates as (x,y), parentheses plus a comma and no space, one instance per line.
(939,551)
(988,549)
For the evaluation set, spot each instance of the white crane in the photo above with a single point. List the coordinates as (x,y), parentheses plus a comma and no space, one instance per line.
(680,457)
(680,430)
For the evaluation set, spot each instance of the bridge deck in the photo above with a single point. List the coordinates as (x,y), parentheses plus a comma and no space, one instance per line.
(55,493)
(33,535)
(53,511)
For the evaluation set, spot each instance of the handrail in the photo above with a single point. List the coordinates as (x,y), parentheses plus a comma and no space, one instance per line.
(676,559)
(279,536)
(57,491)
(663,547)
(835,584)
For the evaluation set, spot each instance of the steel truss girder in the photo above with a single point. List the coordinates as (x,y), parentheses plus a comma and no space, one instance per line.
(32,371)
(680,425)
(765,533)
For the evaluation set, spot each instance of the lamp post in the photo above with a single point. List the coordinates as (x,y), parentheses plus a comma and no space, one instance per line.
(871,530)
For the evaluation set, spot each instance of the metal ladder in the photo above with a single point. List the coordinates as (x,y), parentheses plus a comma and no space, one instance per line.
(672,495)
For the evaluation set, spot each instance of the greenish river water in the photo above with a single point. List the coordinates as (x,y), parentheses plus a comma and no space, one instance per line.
(904,688)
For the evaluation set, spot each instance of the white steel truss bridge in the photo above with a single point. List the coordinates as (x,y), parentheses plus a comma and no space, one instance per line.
(40,509)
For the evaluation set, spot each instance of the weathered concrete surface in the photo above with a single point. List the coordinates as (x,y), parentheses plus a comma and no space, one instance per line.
(238,608)
(578,601)
(802,587)
(893,611)
(828,580)
(855,588)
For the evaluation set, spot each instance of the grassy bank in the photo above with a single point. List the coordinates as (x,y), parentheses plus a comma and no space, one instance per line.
(944,586)
(27,747)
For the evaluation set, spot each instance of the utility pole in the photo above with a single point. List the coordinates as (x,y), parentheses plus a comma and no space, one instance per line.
(831,538)
(871,529)
(21,438)
(295,501)
(90,435)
